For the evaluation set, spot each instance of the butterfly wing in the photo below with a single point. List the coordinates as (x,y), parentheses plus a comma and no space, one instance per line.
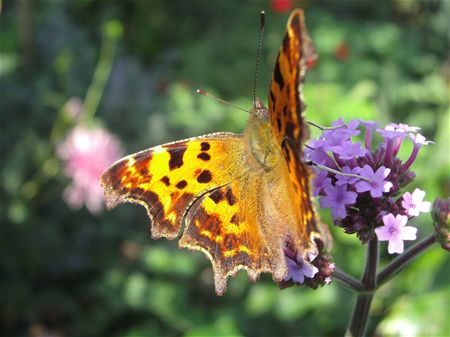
(286,113)
(206,184)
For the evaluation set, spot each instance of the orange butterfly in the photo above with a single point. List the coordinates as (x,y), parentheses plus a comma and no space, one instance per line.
(243,199)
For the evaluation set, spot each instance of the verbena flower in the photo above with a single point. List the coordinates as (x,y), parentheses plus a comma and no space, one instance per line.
(320,182)
(337,198)
(86,153)
(414,204)
(375,183)
(314,272)
(364,181)
(298,269)
(395,231)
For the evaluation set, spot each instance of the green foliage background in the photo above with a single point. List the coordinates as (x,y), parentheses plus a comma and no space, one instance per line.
(71,273)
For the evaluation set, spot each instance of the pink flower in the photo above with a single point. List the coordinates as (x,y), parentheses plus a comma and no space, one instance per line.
(395,231)
(413,203)
(87,152)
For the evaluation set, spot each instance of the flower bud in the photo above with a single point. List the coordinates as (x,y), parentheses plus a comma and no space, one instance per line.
(441,221)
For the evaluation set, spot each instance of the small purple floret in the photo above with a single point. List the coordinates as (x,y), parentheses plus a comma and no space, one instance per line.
(376,184)
(336,198)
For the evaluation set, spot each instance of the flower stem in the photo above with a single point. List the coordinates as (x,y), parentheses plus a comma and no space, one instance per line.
(358,323)
(402,260)
(100,78)
(348,280)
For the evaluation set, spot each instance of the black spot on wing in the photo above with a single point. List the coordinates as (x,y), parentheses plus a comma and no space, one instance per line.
(279,123)
(230,197)
(290,127)
(166,180)
(204,177)
(205,146)
(216,196)
(176,157)
(273,99)
(286,45)
(181,184)
(204,156)
(278,77)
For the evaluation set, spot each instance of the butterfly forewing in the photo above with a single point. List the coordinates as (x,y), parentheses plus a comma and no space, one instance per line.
(286,108)
(166,179)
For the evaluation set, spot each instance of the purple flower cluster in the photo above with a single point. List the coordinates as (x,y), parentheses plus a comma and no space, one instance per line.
(361,183)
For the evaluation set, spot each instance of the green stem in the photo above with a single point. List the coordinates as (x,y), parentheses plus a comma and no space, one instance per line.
(347,280)
(361,310)
(402,260)
(100,78)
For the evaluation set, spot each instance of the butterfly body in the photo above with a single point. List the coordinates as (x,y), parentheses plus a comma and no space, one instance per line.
(240,199)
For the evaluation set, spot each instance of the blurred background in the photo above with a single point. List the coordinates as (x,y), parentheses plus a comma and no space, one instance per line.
(84,82)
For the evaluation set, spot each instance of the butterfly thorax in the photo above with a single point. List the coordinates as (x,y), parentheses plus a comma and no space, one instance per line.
(261,139)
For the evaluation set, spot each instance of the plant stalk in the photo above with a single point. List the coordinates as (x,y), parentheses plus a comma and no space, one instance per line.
(360,316)
(402,260)
(349,281)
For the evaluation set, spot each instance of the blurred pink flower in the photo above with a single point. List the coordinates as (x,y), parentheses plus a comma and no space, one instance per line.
(87,152)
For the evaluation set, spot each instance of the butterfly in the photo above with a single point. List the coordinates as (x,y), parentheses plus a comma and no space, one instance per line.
(242,200)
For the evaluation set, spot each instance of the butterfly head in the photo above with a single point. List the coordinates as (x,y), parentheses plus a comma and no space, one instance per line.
(259,110)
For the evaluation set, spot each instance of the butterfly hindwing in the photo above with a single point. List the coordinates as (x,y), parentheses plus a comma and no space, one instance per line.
(225,224)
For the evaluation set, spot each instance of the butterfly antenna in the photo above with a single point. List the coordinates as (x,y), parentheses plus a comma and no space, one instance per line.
(262,17)
(207,94)
(329,169)
(323,128)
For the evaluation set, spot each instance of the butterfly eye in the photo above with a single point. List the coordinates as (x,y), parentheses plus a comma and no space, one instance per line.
(260,110)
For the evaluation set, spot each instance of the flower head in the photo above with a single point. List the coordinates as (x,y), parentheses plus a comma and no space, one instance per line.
(87,153)
(413,203)
(336,198)
(362,184)
(376,184)
(395,231)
